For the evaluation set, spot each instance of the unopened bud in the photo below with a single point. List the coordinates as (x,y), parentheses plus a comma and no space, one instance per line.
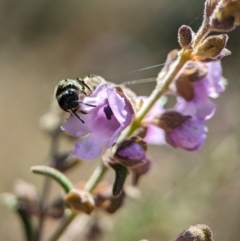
(210,5)
(131,152)
(212,48)
(199,232)
(226,16)
(80,200)
(185,36)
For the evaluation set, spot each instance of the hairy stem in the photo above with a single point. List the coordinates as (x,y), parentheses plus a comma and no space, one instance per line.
(203,31)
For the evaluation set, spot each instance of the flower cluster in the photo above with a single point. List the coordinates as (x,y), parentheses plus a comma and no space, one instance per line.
(108,111)
(184,126)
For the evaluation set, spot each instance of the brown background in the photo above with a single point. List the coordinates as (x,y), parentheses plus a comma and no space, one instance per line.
(42,42)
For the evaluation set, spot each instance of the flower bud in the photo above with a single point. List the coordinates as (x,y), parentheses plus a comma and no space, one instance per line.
(199,232)
(212,48)
(185,36)
(170,120)
(226,16)
(210,5)
(131,152)
(80,200)
(104,199)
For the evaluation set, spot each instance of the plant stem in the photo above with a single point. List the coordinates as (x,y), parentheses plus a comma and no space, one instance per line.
(183,57)
(203,31)
(89,186)
(47,183)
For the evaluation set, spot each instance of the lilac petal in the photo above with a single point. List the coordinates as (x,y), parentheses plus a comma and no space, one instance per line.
(201,108)
(123,112)
(214,80)
(155,135)
(88,148)
(117,104)
(102,127)
(134,152)
(75,127)
(189,136)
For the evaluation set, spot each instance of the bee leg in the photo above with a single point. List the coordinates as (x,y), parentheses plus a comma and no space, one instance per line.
(83,83)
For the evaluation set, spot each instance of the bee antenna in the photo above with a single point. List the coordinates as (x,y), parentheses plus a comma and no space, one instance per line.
(79,101)
(74,113)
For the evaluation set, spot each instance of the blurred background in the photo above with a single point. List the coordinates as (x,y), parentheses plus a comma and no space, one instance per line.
(42,42)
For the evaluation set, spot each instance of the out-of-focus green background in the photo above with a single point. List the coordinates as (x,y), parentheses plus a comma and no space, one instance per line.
(42,42)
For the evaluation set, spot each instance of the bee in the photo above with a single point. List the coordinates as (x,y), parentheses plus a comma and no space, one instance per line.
(71,92)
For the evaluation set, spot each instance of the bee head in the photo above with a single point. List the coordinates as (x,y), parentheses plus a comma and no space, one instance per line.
(69,100)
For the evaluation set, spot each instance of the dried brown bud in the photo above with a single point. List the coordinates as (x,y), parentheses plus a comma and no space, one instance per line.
(185,36)
(199,232)
(80,200)
(170,120)
(226,16)
(104,199)
(212,48)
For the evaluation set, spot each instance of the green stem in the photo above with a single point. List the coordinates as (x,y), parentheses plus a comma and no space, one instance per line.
(89,186)
(68,218)
(55,174)
(183,57)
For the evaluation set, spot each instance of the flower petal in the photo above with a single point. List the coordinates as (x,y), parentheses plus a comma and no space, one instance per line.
(190,136)
(88,148)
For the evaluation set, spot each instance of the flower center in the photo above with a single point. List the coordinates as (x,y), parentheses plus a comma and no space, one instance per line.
(108,112)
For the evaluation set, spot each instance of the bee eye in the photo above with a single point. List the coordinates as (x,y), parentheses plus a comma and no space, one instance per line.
(69,100)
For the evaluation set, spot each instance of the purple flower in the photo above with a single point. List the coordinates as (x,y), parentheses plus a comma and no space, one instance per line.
(154,135)
(210,86)
(189,136)
(103,123)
